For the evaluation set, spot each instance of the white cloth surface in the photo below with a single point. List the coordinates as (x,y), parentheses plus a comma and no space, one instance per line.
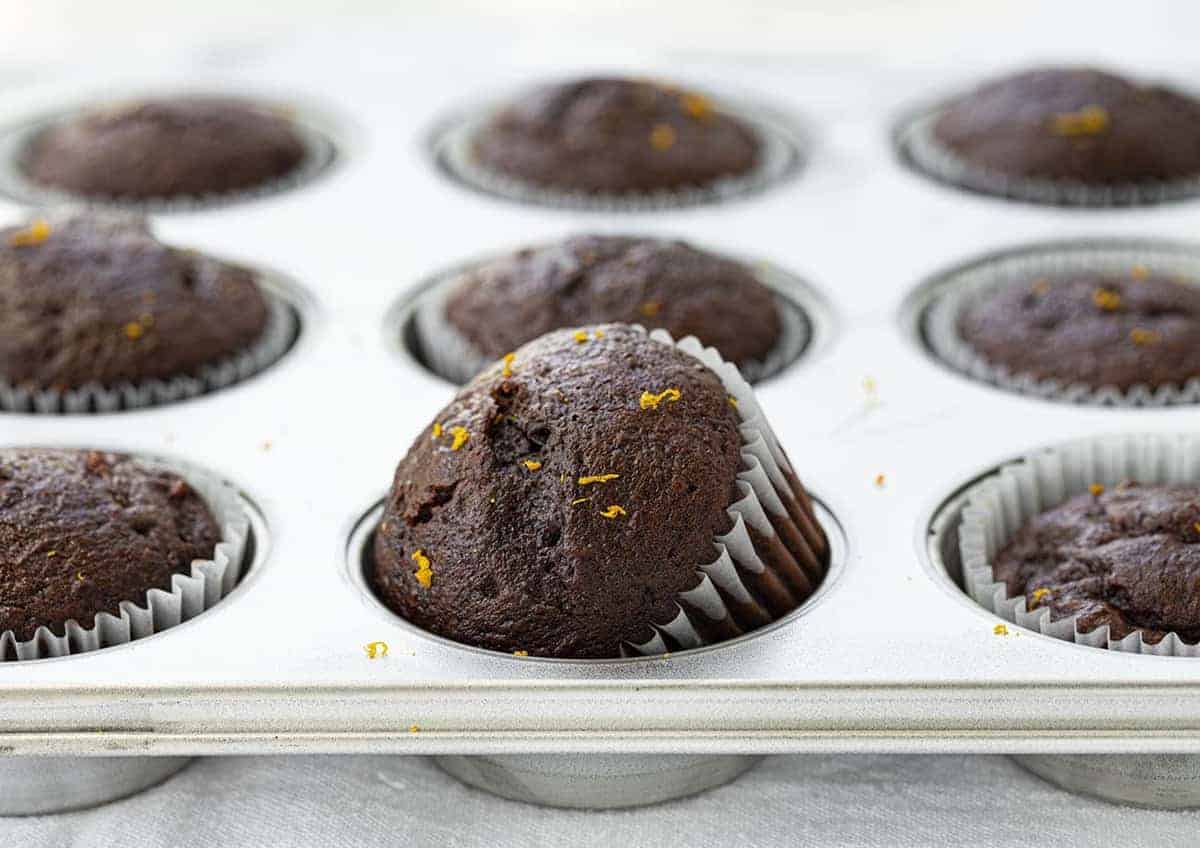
(859,800)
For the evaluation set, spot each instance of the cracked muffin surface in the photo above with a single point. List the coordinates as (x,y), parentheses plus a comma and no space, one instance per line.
(83,531)
(1128,558)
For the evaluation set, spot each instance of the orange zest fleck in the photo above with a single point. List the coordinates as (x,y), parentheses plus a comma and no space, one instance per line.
(34,234)
(413,728)
(581,336)
(1142,337)
(376,650)
(508,361)
(424,572)
(1106,299)
(597,478)
(880,481)
(133,331)
(599,334)
(1139,272)
(1097,489)
(651,401)
(1000,630)
(1090,120)
(696,105)
(460,434)
(437,429)
(1040,287)
(650,308)
(613,511)
(662,137)
(531,464)
(578,501)
(520,653)
(1038,594)
(732,401)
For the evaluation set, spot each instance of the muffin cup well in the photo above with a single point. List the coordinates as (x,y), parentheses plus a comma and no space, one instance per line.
(752,554)
(277,336)
(783,150)
(447,352)
(191,592)
(1000,504)
(321,153)
(965,287)
(927,154)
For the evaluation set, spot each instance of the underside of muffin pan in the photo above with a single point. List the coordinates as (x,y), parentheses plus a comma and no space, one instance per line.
(894,657)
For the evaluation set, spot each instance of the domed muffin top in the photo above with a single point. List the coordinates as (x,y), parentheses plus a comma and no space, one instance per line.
(596,279)
(1075,124)
(615,135)
(564,498)
(1092,330)
(83,531)
(164,148)
(98,299)
(1128,557)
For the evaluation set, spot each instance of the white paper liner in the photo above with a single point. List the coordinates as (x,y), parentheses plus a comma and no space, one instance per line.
(447,352)
(759,486)
(782,152)
(320,155)
(276,338)
(208,581)
(1000,504)
(965,287)
(922,147)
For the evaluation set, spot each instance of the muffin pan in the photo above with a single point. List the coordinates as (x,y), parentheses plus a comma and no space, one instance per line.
(894,656)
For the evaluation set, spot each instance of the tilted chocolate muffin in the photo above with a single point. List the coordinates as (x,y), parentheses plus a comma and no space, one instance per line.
(83,531)
(96,299)
(165,148)
(1077,124)
(1093,330)
(614,136)
(501,305)
(1128,557)
(564,500)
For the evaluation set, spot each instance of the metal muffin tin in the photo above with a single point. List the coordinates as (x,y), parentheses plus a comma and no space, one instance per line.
(893,658)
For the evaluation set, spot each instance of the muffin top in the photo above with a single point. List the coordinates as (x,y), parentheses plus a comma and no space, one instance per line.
(1075,124)
(82,531)
(166,148)
(1092,330)
(562,501)
(596,279)
(1128,557)
(613,136)
(98,299)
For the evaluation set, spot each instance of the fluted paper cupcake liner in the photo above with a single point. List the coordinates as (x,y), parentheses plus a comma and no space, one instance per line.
(15,141)
(447,352)
(754,551)
(966,287)
(782,152)
(276,338)
(1000,504)
(923,149)
(191,592)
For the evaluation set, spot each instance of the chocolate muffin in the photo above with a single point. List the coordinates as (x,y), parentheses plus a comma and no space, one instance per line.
(565,499)
(83,531)
(1080,124)
(1098,331)
(1128,557)
(96,299)
(615,136)
(168,148)
(501,305)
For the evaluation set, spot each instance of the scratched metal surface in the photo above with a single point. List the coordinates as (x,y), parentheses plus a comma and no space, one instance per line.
(891,657)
